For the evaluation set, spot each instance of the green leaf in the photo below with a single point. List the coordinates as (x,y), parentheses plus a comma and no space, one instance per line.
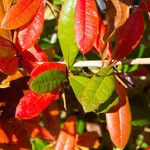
(66,33)
(112,101)
(95,91)
(78,84)
(47,81)
(38,144)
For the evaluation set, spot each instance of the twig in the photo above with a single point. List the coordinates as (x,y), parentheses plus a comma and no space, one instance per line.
(52,6)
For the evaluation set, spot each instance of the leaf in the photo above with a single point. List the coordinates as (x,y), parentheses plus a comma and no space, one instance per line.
(66,138)
(38,144)
(112,101)
(66,34)
(51,117)
(119,119)
(99,43)
(86,24)
(17,135)
(18,14)
(126,42)
(36,130)
(32,104)
(47,81)
(4,5)
(30,33)
(8,59)
(31,56)
(6,83)
(88,139)
(117,12)
(47,66)
(145,5)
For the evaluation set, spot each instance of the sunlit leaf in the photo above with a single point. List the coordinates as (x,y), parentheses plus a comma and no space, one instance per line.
(47,81)
(119,119)
(86,24)
(66,32)
(32,104)
(18,15)
(30,33)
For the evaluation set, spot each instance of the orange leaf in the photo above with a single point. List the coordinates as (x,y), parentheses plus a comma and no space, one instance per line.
(119,119)
(66,139)
(32,104)
(18,15)
(30,33)
(86,24)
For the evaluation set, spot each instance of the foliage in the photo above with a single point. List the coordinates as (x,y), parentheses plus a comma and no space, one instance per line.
(47,104)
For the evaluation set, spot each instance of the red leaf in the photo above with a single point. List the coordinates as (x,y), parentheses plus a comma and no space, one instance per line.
(8,59)
(119,119)
(18,15)
(31,56)
(99,43)
(30,33)
(32,104)
(145,5)
(66,139)
(129,35)
(86,24)
(47,66)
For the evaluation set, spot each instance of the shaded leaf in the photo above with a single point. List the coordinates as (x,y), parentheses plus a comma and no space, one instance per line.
(126,42)
(47,81)
(30,33)
(18,15)
(31,56)
(119,119)
(8,59)
(51,118)
(32,104)
(47,66)
(66,32)
(17,135)
(88,139)
(66,139)
(86,24)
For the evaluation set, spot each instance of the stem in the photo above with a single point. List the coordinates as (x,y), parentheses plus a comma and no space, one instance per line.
(51,6)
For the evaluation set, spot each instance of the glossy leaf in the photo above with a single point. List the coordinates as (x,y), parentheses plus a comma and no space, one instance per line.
(95,91)
(126,42)
(47,66)
(4,5)
(18,15)
(30,33)
(47,81)
(66,138)
(66,34)
(32,104)
(99,43)
(119,119)
(8,59)
(31,56)
(86,24)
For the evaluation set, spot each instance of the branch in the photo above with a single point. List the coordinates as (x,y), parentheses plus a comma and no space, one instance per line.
(98,63)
